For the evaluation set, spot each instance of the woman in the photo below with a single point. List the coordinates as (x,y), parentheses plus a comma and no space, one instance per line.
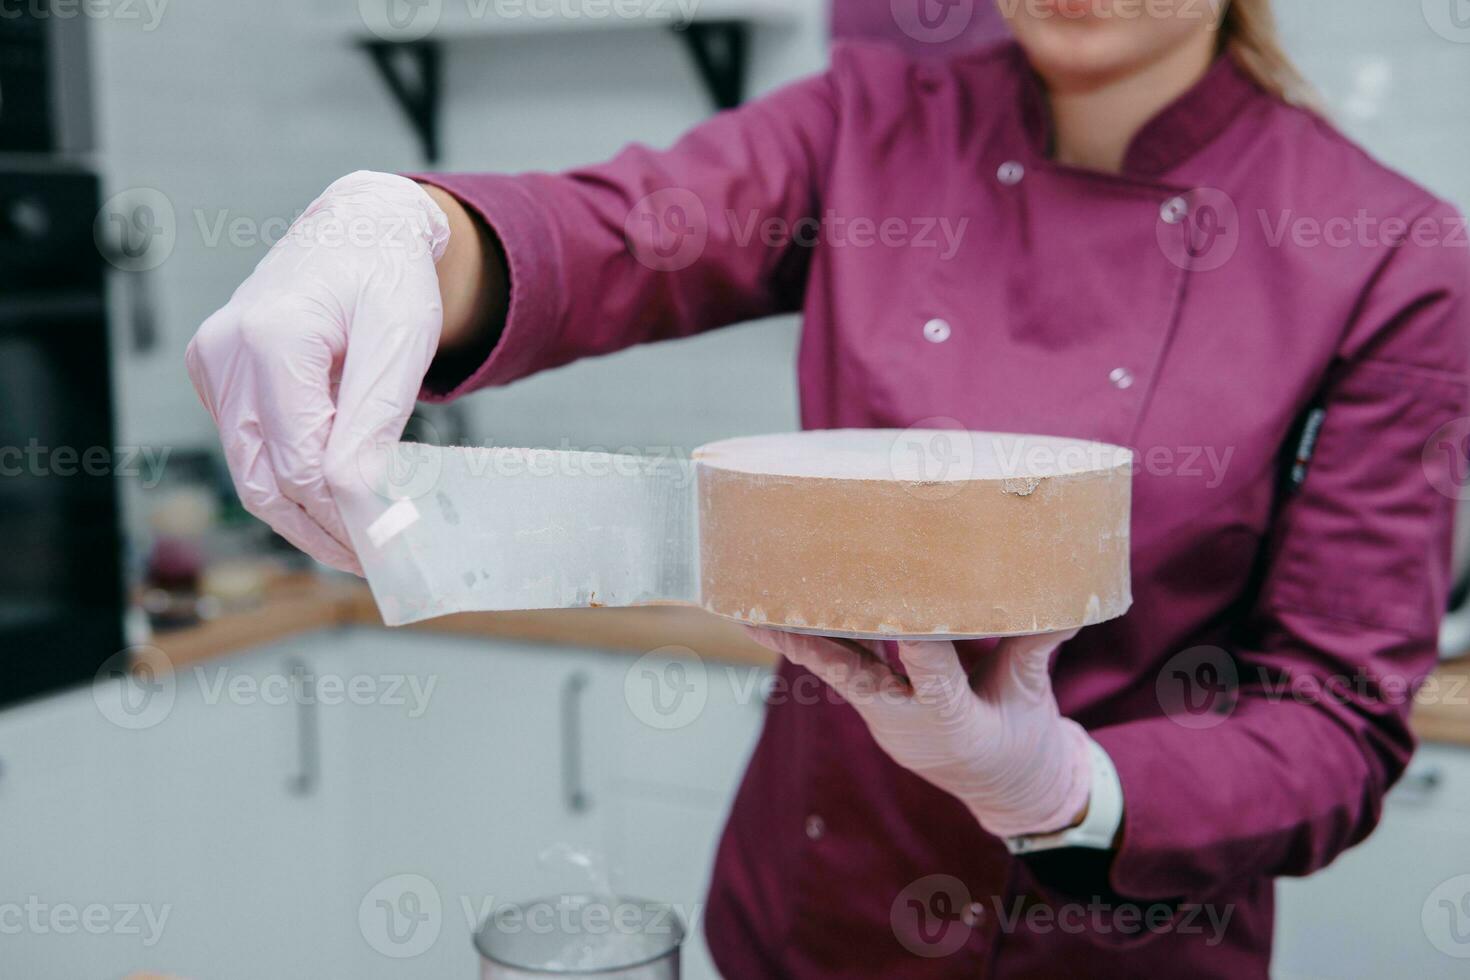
(1135,199)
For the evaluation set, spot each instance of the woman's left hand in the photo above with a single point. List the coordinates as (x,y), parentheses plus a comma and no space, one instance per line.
(998,743)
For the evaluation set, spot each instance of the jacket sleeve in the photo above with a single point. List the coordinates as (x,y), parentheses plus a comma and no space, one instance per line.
(1293,768)
(654,244)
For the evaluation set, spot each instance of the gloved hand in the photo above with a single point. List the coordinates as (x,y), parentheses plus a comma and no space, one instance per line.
(322,350)
(1001,746)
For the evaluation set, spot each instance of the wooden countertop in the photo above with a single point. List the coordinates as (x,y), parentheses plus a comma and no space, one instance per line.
(298,604)
(303,603)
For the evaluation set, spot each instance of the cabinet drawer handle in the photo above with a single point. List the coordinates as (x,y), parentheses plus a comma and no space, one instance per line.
(573,790)
(308,748)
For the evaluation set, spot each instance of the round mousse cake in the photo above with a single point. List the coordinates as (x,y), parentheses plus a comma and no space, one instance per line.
(915,532)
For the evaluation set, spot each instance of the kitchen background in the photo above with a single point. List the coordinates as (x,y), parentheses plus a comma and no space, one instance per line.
(298,793)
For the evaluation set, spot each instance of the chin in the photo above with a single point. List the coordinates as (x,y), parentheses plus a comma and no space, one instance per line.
(1079,57)
(1080,52)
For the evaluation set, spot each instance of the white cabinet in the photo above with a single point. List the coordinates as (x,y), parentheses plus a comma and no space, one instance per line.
(523,760)
(64,819)
(467,801)
(171,823)
(1399,903)
(353,803)
(686,728)
(684,722)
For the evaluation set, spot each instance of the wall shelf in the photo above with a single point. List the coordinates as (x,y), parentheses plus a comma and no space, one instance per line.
(716,33)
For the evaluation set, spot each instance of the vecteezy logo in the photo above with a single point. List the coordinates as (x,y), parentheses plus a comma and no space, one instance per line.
(667,230)
(135,688)
(667,688)
(932,21)
(1446,917)
(932,458)
(1446,459)
(401,916)
(1197,688)
(400,20)
(928,917)
(136,229)
(406,468)
(1450,19)
(1199,231)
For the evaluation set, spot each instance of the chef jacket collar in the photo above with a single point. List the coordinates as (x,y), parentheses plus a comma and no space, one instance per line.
(1174,134)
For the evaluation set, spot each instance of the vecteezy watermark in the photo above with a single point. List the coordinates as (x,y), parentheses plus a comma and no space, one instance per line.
(1199,231)
(1122,918)
(1361,229)
(1446,917)
(671,228)
(411,20)
(136,229)
(1450,19)
(667,688)
(400,20)
(401,468)
(411,692)
(401,916)
(670,687)
(668,229)
(149,12)
(1208,464)
(1359,688)
(933,21)
(407,233)
(933,457)
(1446,459)
(1198,688)
(37,460)
(37,917)
(137,688)
(942,235)
(409,469)
(1202,229)
(936,915)
(1201,687)
(581,915)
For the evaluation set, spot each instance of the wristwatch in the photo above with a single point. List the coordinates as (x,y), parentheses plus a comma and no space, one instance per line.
(1104,813)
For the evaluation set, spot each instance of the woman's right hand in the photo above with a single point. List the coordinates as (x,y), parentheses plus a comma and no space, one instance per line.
(322,351)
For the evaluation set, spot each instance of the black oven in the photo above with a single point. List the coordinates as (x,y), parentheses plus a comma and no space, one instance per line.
(61,587)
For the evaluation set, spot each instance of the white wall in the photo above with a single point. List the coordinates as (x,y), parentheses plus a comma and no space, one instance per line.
(246,110)
(1391,81)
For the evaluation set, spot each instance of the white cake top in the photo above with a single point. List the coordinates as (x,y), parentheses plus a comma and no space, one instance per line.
(911,455)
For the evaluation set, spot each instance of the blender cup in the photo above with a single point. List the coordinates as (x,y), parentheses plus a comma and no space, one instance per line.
(604,936)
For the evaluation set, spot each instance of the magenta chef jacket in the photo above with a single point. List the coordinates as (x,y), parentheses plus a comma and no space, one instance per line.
(1275,323)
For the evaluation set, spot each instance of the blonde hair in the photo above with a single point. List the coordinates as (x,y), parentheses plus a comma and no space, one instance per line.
(1249,35)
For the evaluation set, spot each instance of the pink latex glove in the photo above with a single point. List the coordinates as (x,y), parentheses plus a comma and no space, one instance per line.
(1001,746)
(323,350)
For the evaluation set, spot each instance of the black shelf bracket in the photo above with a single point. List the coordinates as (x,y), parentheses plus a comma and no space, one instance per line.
(411,70)
(719,49)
